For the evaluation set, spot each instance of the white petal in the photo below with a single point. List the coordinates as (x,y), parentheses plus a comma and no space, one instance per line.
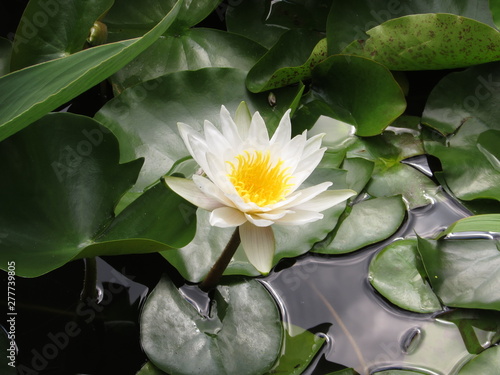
(188,190)
(211,190)
(214,138)
(259,246)
(257,221)
(243,119)
(299,217)
(257,134)
(273,215)
(283,132)
(326,200)
(226,217)
(307,194)
(188,132)
(312,144)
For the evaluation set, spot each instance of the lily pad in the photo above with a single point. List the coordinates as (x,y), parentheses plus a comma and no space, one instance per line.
(61,181)
(191,49)
(397,272)
(486,363)
(349,21)
(51,30)
(463,273)
(429,42)
(277,68)
(368,222)
(360,92)
(242,334)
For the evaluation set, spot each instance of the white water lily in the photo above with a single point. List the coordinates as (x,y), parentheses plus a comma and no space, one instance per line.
(253,181)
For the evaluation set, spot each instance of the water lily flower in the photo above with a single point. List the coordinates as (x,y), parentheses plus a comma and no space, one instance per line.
(252,181)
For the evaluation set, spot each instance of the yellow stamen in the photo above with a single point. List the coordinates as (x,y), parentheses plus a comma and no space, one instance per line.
(257,180)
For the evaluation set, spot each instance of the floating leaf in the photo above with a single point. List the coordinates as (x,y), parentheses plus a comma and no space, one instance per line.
(368,222)
(277,68)
(28,94)
(463,273)
(61,181)
(349,21)
(486,363)
(241,335)
(429,41)
(397,272)
(192,49)
(360,92)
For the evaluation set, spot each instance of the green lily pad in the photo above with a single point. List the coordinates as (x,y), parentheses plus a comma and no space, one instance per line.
(347,371)
(61,181)
(429,42)
(349,21)
(399,372)
(242,334)
(477,223)
(479,328)
(397,272)
(5,53)
(486,363)
(299,349)
(463,273)
(277,68)
(158,105)
(368,222)
(190,50)
(55,29)
(360,92)
(194,260)
(28,94)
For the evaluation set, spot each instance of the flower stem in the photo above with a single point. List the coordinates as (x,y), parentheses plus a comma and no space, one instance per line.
(215,273)
(90,280)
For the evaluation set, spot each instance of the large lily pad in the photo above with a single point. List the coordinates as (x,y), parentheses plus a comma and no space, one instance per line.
(463,273)
(464,107)
(397,272)
(486,363)
(349,21)
(429,41)
(191,49)
(242,334)
(477,223)
(368,222)
(360,92)
(61,180)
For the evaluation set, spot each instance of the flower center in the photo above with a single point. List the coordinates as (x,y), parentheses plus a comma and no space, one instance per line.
(258,180)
